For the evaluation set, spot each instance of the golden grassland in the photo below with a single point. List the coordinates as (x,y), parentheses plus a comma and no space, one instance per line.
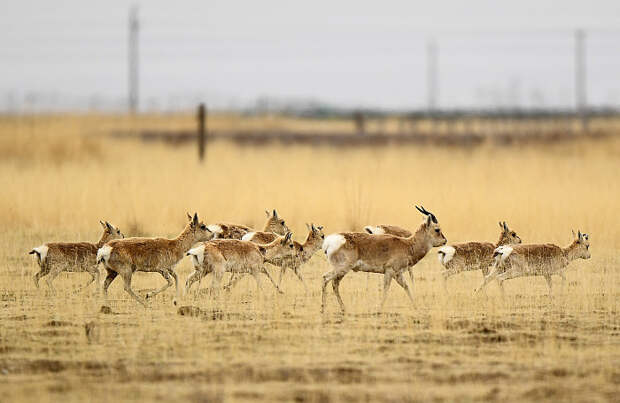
(60,175)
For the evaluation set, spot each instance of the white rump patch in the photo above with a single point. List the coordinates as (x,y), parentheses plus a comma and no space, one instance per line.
(332,243)
(374,230)
(103,254)
(248,236)
(216,229)
(503,252)
(42,251)
(445,254)
(198,255)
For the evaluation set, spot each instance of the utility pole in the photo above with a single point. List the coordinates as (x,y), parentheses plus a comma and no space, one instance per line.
(133,60)
(580,77)
(431,75)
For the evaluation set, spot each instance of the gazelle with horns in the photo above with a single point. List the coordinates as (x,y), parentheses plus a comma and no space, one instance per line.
(384,254)
(536,260)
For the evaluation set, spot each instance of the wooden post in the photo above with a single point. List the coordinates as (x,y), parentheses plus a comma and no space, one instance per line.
(202,130)
(360,124)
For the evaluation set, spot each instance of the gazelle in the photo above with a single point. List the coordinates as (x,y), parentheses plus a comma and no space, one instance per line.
(273,224)
(391,230)
(303,251)
(536,260)
(385,254)
(55,258)
(236,256)
(158,255)
(469,256)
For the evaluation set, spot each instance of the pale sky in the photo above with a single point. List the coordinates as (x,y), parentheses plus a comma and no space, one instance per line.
(65,54)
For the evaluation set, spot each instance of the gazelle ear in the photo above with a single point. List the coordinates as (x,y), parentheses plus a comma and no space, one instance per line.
(579,235)
(102,224)
(313,228)
(268,213)
(309,227)
(195,220)
(109,226)
(287,237)
(505,226)
(500,225)
(189,217)
(275,213)
(574,235)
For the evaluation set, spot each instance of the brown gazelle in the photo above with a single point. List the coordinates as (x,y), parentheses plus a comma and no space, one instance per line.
(232,255)
(158,255)
(273,224)
(391,230)
(385,254)
(536,260)
(55,258)
(303,251)
(469,256)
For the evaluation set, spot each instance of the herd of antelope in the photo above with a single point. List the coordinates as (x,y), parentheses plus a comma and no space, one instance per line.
(384,249)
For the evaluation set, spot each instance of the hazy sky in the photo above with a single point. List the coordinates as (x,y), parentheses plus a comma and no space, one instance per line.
(349,53)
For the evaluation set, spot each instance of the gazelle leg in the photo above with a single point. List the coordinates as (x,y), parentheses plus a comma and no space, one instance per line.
(106,283)
(196,275)
(327,277)
(387,280)
(259,288)
(563,277)
(282,271)
(36,277)
(335,286)
(410,269)
(94,276)
(487,279)
(234,279)
(50,278)
(271,279)
(127,281)
(298,274)
(166,275)
(549,284)
(401,281)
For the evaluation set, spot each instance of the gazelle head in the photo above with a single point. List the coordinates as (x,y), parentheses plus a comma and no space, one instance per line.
(275,223)
(508,236)
(110,232)
(432,229)
(316,232)
(281,247)
(198,229)
(581,245)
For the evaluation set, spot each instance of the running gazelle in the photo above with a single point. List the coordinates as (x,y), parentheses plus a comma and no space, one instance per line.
(385,254)
(304,251)
(158,255)
(469,256)
(536,260)
(233,255)
(274,223)
(56,257)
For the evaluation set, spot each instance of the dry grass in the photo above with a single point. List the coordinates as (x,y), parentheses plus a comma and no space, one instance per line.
(59,178)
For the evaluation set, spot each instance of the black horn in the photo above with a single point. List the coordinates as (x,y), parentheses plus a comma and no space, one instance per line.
(426,212)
